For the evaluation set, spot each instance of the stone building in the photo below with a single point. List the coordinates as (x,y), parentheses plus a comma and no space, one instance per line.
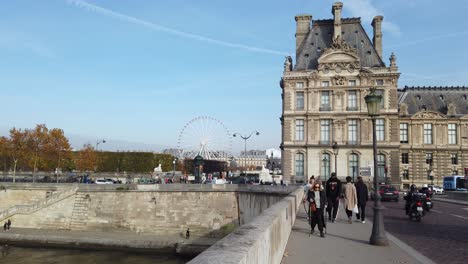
(323,104)
(433,133)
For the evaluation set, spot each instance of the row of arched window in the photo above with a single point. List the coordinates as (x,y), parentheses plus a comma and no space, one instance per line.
(325,165)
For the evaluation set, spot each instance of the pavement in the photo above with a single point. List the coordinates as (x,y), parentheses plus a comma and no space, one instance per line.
(344,243)
(446,200)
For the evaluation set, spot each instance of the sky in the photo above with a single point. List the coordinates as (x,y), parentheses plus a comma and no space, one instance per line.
(136,72)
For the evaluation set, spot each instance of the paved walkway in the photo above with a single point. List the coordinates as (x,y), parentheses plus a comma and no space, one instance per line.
(344,243)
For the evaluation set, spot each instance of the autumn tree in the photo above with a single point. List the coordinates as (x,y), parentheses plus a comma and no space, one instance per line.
(37,140)
(86,158)
(17,147)
(56,149)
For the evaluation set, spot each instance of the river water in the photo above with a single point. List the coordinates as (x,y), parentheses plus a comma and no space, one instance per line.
(17,255)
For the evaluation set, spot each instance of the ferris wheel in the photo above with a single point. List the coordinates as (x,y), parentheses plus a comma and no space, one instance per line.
(205,136)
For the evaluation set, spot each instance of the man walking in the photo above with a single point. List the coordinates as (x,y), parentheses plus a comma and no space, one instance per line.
(333,191)
(362,198)
(350,198)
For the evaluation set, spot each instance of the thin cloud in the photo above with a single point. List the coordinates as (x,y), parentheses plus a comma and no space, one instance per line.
(18,40)
(156,27)
(367,11)
(425,40)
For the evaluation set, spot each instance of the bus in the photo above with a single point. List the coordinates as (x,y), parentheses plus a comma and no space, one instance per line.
(455,183)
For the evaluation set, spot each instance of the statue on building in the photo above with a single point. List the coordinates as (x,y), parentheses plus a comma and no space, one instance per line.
(288,64)
(452,110)
(393,59)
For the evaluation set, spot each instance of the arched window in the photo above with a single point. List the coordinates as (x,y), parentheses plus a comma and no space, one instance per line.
(300,164)
(353,162)
(325,172)
(381,165)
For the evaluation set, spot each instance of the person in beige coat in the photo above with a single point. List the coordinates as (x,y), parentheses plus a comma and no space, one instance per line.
(350,197)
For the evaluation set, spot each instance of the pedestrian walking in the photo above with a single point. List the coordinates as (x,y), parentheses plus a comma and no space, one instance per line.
(333,192)
(317,200)
(187,233)
(350,198)
(8,224)
(5,226)
(362,198)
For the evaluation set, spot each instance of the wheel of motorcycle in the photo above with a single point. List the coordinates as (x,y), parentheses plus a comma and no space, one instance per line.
(418,218)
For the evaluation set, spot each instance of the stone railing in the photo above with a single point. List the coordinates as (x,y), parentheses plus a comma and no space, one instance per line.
(29,208)
(262,241)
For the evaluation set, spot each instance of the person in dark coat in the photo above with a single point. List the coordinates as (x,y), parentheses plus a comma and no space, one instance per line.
(362,198)
(316,196)
(333,191)
(8,224)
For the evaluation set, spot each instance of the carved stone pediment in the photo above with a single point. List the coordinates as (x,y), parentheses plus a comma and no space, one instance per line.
(427,115)
(338,58)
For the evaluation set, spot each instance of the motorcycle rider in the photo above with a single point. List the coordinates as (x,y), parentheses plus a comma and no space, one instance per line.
(410,197)
(425,190)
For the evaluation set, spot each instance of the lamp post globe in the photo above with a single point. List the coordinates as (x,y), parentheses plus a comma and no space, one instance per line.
(378,236)
(335,153)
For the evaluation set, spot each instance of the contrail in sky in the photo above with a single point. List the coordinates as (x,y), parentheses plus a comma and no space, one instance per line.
(156,27)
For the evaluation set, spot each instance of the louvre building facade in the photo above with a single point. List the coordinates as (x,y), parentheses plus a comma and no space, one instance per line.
(421,132)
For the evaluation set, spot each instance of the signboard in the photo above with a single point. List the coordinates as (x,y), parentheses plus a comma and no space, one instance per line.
(365,171)
(191,178)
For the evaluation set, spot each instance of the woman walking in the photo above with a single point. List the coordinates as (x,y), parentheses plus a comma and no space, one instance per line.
(317,200)
(350,198)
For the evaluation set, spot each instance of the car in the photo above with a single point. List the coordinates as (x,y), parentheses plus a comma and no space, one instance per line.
(109,181)
(101,182)
(388,193)
(437,189)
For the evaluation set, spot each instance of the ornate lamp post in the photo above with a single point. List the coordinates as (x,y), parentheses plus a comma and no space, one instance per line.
(335,152)
(97,155)
(173,167)
(245,137)
(378,236)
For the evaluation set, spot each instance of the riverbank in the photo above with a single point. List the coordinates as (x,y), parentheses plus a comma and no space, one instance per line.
(125,241)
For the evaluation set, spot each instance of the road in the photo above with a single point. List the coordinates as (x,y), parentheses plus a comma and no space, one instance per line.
(442,235)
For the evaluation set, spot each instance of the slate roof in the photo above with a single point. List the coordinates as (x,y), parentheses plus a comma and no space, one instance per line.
(320,38)
(434,99)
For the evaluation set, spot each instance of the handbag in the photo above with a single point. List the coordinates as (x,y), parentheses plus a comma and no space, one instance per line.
(355,209)
(313,207)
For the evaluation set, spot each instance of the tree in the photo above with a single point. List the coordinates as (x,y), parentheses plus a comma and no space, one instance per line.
(37,140)
(4,153)
(57,149)
(17,147)
(86,158)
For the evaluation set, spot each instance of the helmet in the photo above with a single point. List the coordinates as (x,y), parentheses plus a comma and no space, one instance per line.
(412,187)
(425,185)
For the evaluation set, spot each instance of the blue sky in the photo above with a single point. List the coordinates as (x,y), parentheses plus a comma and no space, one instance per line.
(137,70)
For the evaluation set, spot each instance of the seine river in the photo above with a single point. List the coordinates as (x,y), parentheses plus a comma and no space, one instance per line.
(16,255)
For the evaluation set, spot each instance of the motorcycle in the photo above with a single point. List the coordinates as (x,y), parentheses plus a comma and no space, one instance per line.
(428,204)
(417,211)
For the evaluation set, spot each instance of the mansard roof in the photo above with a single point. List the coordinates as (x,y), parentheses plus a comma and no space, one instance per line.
(436,99)
(320,37)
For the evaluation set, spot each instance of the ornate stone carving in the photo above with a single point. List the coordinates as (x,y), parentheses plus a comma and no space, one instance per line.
(393,59)
(288,64)
(338,66)
(339,44)
(339,80)
(452,110)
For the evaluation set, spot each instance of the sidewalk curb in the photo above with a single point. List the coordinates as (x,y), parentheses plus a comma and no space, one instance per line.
(409,250)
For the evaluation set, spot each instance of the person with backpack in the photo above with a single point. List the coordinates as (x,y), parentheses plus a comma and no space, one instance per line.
(333,192)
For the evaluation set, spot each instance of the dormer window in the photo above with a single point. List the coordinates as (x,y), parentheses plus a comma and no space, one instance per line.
(352,82)
(441,97)
(379,82)
(325,83)
(465,97)
(418,97)
(423,107)
(300,85)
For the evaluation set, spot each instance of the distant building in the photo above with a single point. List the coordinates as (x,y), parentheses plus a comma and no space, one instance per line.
(252,159)
(420,132)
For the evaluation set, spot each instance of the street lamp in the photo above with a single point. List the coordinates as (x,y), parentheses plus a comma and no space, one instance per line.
(245,147)
(173,168)
(335,152)
(97,145)
(378,237)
